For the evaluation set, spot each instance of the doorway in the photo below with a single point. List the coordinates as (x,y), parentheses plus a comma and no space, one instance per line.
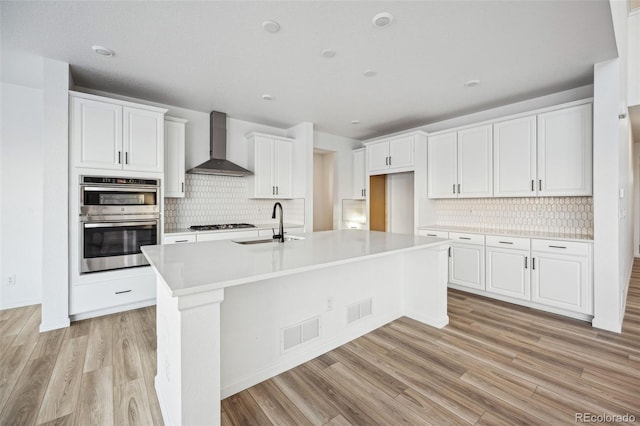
(323,189)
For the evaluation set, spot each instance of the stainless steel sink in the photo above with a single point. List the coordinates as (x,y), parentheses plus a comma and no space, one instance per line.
(267,240)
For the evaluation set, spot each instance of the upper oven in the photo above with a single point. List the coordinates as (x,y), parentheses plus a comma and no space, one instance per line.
(112,195)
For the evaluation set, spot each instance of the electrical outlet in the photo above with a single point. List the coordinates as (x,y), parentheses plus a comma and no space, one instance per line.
(330,304)
(11,279)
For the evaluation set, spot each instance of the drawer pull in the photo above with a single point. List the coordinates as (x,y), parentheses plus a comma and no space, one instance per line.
(181,241)
(464,238)
(431,235)
(560,247)
(505,242)
(123,291)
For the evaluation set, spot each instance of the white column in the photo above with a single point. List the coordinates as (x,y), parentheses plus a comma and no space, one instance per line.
(188,373)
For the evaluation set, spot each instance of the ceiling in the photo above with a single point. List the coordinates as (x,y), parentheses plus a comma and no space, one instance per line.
(216,56)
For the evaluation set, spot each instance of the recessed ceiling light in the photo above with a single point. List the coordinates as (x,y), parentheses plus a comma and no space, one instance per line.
(382,20)
(271,26)
(355,122)
(472,83)
(328,53)
(267,97)
(369,73)
(102,51)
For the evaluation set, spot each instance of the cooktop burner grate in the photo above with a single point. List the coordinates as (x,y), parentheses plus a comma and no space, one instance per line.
(221,226)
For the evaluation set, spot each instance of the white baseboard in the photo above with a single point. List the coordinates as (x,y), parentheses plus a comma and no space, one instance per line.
(113,310)
(428,320)
(61,322)
(607,325)
(20,304)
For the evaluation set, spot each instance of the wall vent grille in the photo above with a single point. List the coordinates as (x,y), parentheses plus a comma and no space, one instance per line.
(359,310)
(300,333)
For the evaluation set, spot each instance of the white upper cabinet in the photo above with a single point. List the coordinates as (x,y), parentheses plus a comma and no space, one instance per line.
(442,165)
(96,133)
(271,159)
(475,157)
(565,152)
(174,161)
(514,158)
(143,138)
(359,174)
(459,164)
(393,155)
(117,135)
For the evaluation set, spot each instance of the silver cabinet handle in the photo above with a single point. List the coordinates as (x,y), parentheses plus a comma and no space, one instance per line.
(540,185)
(458,188)
(533,188)
(525,262)
(560,247)
(273,190)
(126,157)
(181,241)
(449,251)
(277,190)
(431,235)
(454,188)
(119,157)
(389,160)
(182,187)
(505,242)
(533,263)
(123,291)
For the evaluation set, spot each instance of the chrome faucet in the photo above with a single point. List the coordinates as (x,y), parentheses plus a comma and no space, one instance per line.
(280,236)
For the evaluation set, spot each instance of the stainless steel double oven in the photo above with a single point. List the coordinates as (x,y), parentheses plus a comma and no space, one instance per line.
(117,217)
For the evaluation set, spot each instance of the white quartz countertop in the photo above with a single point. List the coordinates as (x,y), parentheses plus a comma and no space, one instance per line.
(197,267)
(512,233)
(258,226)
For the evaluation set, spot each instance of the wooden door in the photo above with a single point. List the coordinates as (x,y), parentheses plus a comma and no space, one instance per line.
(377,203)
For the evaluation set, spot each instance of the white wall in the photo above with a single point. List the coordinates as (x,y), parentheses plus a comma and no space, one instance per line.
(21,194)
(633,48)
(343,169)
(55,232)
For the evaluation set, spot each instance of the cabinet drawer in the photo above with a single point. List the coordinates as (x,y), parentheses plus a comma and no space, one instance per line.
(560,247)
(461,237)
(107,294)
(175,239)
(508,242)
(430,233)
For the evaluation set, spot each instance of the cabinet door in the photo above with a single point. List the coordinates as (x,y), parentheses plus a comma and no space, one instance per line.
(283,173)
(359,175)
(143,140)
(561,281)
(514,158)
(174,159)
(508,272)
(475,158)
(378,154)
(442,166)
(401,152)
(565,152)
(264,168)
(466,265)
(97,134)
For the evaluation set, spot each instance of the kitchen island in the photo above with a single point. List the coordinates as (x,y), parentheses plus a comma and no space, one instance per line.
(231,315)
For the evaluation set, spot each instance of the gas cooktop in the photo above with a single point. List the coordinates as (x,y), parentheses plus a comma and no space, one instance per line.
(221,226)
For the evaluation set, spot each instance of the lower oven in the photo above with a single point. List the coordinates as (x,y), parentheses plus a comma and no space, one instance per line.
(113,242)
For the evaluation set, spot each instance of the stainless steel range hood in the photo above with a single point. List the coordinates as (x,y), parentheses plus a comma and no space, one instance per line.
(218,163)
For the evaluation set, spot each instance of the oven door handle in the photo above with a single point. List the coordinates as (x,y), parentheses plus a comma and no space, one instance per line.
(118,189)
(117,224)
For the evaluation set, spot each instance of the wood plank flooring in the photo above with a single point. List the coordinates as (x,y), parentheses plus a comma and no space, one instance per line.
(494,364)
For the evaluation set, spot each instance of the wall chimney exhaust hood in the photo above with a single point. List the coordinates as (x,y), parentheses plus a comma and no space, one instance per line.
(218,163)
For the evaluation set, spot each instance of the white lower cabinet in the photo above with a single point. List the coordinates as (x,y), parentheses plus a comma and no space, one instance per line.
(214,236)
(508,267)
(466,260)
(111,294)
(561,275)
(177,239)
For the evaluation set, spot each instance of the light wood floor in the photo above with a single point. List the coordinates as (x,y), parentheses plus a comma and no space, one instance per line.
(494,363)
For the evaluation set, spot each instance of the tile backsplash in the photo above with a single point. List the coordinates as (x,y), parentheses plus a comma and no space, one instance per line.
(223,199)
(567,215)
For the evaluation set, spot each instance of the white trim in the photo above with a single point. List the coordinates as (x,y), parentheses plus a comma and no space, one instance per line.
(98,98)
(61,322)
(607,325)
(112,310)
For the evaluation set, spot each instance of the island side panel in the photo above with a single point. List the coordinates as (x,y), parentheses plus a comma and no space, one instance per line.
(254,315)
(188,356)
(426,275)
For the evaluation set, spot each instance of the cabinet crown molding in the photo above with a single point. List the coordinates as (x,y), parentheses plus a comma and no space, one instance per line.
(83,95)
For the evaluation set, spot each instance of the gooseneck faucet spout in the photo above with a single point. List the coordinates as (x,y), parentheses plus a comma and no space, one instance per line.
(280,235)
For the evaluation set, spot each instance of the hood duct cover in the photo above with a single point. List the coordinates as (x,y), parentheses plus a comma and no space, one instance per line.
(218,163)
